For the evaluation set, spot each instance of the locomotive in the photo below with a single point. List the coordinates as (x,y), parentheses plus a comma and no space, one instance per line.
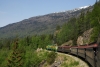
(91,52)
(52,47)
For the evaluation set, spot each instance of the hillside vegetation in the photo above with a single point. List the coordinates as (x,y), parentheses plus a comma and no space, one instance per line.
(22,52)
(76,26)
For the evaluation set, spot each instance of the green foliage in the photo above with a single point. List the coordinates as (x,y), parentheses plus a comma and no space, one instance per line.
(95,22)
(68,32)
(33,59)
(16,58)
(23,51)
(80,24)
(76,26)
(3,57)
(58,27)
(72,64)
(95,34)
(51,57)
(24,54)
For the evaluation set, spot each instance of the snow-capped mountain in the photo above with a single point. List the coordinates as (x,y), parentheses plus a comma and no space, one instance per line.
(83,7)
(44,24)
(76,9)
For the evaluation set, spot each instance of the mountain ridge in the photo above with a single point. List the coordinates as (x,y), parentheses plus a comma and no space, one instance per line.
(44,24)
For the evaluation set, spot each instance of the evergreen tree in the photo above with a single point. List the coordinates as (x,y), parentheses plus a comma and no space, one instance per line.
(16,57)
(95,22)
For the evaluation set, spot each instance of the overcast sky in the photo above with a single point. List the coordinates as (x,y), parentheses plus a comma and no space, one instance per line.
(12,11)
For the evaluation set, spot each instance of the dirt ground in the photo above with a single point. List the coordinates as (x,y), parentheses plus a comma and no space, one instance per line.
(66,60)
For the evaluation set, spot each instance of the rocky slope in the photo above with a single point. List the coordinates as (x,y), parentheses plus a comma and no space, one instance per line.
(85,38)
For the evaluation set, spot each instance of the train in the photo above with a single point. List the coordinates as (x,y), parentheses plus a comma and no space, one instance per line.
(52,47)
(90,53)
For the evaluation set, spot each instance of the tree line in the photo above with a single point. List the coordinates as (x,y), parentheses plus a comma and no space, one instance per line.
(77,25)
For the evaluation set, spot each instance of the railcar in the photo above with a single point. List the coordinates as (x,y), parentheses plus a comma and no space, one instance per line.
(66,49)
(74,50)
(91,54)
(59,49)
(98,56)
(81,51)
(98,53)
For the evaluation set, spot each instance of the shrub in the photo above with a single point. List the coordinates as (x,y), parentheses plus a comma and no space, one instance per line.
(51,57)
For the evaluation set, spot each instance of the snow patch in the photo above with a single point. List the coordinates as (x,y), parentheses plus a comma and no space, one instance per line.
(76,9)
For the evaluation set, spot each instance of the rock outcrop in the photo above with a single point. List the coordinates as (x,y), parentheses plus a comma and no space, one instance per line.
(85,38)
(80,40)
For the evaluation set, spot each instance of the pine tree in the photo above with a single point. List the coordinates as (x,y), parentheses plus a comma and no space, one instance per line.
(95,22)
(16,57)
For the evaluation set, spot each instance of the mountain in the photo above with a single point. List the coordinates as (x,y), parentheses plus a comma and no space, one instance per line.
(45,24)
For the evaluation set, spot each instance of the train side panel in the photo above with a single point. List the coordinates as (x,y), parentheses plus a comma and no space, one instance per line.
(74,51)
(98,57)
(81,52)
(90,56)
(59,49)
(66,49)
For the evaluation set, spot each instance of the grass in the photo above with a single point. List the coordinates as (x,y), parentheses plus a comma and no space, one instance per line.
(71,61)
(71,64)
(31,59)
(66,61)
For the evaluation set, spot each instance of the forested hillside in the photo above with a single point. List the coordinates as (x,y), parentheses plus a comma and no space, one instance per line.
(22,52)
(76,26)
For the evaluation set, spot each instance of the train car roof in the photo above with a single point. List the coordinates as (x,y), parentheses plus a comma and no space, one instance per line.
(74,46)
(81,46)
(88,46)
(65,46)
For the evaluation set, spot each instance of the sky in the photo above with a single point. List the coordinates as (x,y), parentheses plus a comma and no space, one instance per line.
(12,11)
